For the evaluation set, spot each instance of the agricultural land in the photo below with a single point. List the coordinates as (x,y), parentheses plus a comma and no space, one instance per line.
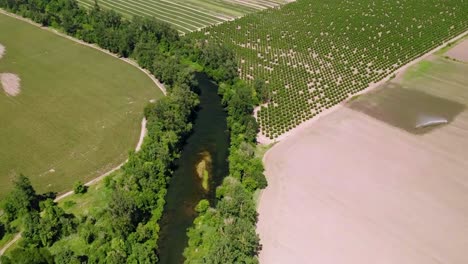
(313,55)
(76,113)
(368,184)
(374,91)
(186,15)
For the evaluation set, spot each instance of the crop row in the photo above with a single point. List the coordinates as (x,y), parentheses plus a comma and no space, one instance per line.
(315,54)
(185,16)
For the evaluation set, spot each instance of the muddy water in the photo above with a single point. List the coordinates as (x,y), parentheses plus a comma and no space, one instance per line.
(209,139)
(411,110)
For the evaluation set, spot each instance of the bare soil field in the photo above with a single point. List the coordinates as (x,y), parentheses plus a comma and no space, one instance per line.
(460,51)
(357,186)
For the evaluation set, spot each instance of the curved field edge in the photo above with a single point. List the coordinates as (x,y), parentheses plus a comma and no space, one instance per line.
(62,107)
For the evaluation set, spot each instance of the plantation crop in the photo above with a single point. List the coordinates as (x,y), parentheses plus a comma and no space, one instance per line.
(185,15)
(313,55)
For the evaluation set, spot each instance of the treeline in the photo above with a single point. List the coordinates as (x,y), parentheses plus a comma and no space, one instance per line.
(225,233)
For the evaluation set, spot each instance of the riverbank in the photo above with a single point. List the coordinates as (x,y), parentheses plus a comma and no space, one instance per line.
(209,138)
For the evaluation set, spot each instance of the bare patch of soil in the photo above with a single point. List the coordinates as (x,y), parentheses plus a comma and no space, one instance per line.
(10,83)
(2,50)
(459,52)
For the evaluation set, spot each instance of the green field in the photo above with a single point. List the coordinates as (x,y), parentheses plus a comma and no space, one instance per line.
(314,54)
(78,113)
(186,15)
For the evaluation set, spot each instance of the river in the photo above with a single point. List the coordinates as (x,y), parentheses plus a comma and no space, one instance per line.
(207,149)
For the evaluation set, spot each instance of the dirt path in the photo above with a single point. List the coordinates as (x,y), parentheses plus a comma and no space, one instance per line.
(17,236)
(127,60)
(265,141)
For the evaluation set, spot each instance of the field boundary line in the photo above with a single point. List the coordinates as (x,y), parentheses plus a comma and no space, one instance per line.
(55,31)
(263,140)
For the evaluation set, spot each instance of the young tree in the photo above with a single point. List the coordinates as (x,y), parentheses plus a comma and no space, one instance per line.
(21,200)
(79,188)
(124,213)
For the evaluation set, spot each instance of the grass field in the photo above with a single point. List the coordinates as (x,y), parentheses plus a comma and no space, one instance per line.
(315,54)
(186,15)
(78,112)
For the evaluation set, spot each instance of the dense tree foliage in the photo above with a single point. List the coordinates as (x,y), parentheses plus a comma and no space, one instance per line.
(39,230)
(21,200)
(30,255)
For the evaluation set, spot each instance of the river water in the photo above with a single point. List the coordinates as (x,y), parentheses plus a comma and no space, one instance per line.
(209,142)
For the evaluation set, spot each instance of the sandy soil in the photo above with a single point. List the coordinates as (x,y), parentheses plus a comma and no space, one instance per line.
(10,83)
(459,52)
(352,189)
(2,50)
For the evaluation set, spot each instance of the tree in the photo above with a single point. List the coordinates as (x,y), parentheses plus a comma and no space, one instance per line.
(54,223)
(30,255)
(66,256)
(124,213)
(202,206)
(79,188)
(261,91)
(21,200)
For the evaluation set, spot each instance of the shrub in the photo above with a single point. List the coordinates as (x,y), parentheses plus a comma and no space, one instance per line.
(79,188)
